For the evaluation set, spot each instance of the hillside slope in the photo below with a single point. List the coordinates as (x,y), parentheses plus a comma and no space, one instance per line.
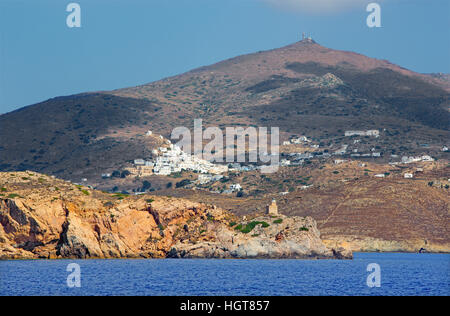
(352,207)
(303,88)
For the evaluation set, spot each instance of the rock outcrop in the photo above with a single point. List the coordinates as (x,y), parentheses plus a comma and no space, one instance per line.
(270,237)
(41,217)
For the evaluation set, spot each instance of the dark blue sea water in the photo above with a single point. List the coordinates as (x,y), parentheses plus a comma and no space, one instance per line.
(401,274)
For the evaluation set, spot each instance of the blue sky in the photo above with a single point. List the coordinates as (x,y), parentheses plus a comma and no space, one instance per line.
(129,42)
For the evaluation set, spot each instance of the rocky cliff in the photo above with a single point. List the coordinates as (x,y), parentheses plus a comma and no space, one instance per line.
(42,217)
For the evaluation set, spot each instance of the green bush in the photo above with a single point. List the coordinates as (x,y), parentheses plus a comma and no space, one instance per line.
(13,196)
(120,196)
(304,229)
(146,185)
(125,174)
(250,226)
(183,183)
(3,189)
(278,221)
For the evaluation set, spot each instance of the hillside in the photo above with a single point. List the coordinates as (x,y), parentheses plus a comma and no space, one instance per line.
(303,88)
(352,207)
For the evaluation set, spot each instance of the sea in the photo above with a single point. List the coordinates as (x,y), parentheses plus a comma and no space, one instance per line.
(395,274)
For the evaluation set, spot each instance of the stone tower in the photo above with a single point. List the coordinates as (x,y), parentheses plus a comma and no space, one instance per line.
(272,209)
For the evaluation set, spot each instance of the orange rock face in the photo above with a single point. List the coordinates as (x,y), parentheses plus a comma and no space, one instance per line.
(41,217)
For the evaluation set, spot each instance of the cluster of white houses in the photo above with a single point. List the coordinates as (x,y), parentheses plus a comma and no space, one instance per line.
(173,160)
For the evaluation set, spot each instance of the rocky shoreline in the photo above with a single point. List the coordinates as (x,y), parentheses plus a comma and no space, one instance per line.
(285,238)
(46,218)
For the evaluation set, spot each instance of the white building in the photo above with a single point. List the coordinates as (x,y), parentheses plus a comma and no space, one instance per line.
(299,140)
(139,162)
(149,164)
(373,132)
(424,158)
(285,162)
(408,176)
(427,158)
(165,171)
(341,151)
(204,178)
(235,187)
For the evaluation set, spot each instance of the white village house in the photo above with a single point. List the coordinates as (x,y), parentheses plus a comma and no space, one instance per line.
(373,132)
(424,158)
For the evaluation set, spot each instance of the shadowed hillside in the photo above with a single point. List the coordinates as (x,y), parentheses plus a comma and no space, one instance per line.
(74,135)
